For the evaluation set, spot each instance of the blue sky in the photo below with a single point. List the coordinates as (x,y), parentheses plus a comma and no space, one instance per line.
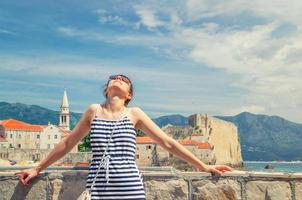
(214,57)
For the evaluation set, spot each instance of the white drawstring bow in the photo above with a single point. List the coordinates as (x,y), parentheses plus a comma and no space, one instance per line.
(104,163)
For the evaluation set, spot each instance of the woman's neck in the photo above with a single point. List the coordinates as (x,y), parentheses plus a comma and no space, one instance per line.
(114,105)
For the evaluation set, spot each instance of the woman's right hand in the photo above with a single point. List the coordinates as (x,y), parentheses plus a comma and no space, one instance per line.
(218,169)
(27,174)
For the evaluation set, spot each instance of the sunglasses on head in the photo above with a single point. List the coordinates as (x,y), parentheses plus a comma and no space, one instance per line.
(121,77)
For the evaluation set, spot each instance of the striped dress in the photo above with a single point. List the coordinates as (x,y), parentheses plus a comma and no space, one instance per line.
(120,178)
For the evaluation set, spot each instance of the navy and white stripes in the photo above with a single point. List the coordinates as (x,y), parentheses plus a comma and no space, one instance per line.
(125,180)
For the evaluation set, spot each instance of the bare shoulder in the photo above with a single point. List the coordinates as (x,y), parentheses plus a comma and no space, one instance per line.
(92,108)
(135,114)
(136,111)
(90,111)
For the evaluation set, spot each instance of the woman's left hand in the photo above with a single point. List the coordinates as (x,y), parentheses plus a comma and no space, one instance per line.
(218,169)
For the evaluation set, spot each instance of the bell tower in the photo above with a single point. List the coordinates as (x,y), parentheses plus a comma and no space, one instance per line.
(64,113)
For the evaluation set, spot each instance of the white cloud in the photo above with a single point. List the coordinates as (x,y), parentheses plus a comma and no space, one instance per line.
(5,31)
(276,10)
(181,92)
(28,83)
(73,66)
(175,19)
(263,63)
(148,17)
(106,17)
(266,67)
(133,39)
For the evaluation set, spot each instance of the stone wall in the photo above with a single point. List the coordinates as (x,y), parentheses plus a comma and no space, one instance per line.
(20,155)
(222,135)
(163,185)
(145,153)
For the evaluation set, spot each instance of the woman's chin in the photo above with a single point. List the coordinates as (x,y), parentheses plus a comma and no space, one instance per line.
(115,88)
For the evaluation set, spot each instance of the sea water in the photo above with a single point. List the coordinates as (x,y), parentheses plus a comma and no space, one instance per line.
(278,166)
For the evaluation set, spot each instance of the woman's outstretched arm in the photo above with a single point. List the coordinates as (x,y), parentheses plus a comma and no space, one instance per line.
(62,148)
(144,123)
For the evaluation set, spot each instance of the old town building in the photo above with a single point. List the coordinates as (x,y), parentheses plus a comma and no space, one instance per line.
(21,135)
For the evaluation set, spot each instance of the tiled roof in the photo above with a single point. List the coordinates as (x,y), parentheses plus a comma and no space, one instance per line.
(199,145)
(204,145)
(145,139)
(13,124)
(188,142)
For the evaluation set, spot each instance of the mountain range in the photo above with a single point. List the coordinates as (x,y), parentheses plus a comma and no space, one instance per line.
(262,137)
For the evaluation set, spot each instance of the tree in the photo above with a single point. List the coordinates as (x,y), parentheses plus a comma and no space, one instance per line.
(85,144)
(139,132)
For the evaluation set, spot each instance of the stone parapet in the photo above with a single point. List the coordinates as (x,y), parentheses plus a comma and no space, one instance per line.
(164,185)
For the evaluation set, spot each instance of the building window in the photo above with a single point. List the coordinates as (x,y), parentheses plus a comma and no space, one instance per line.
(38,136)
(19,145)
(10,145)
(56,136)
(19,136)
(148,147)
(11,135)
(63,119)
(137,156)
(48,146)
(49,137)
(170,155)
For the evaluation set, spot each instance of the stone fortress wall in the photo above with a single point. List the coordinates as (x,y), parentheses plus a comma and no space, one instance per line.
(222,135)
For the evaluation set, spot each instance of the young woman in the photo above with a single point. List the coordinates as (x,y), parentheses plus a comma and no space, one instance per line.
(123,179)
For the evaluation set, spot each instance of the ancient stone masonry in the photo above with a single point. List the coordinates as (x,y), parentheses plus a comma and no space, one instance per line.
(211,140)
(16,134)
(163,185)
(221,135)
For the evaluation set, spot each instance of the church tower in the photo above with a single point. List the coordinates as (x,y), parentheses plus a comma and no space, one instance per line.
(64,113)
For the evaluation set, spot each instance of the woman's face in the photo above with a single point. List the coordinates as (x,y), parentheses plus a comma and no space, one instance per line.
(120,85)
